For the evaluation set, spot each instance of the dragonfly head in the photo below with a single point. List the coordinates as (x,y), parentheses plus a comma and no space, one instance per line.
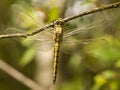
(58,22)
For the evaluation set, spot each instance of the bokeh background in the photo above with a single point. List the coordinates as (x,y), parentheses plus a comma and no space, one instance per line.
(88,65)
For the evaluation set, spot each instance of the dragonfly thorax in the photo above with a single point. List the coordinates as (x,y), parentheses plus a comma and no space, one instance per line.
(58,30)
(58,33)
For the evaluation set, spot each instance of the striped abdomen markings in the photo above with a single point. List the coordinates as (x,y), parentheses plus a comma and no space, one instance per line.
(58,33)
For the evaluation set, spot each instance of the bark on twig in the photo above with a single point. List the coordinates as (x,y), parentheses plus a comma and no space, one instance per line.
(114,5)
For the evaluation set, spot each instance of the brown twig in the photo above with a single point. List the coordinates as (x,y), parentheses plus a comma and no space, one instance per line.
(25,34)
(19,76)
(114,5)
(13,35)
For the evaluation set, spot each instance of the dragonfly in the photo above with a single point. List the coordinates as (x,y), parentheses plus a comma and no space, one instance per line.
(58,33)
(58,36)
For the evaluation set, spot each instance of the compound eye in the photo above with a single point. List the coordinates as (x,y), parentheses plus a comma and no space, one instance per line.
(60,21)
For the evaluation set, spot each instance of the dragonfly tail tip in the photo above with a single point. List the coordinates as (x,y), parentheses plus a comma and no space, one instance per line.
(54,81)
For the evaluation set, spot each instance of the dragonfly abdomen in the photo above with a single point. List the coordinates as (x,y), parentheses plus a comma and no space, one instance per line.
(55,63)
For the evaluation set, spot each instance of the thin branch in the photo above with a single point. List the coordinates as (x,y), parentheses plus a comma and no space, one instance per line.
(25,34)
(19,76)
(13,35)
(114,5)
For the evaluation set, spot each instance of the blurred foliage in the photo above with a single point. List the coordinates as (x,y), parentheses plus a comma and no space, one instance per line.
(95,66)
(54,12)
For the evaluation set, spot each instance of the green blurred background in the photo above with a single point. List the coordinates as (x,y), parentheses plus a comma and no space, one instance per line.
(94,66)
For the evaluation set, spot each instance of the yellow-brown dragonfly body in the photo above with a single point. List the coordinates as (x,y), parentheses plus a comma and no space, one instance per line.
(58,33)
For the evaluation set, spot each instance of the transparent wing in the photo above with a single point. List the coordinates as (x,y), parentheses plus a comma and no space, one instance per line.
(42,41)
(13,30)
(29,15)
(27,19)
(86,31)
(72,45)
(80,29)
